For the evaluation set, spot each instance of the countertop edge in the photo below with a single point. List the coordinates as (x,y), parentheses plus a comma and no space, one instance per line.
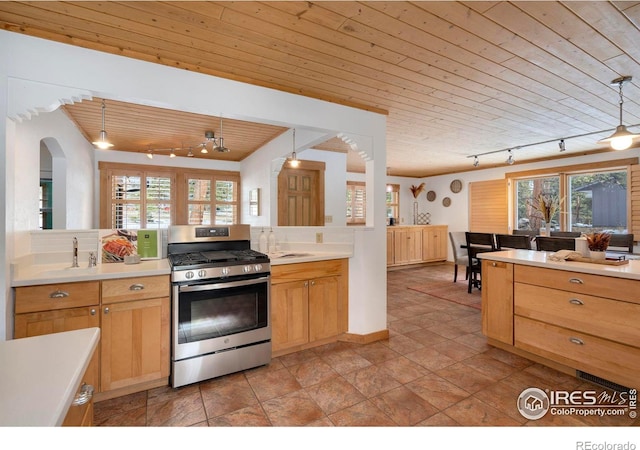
(541,259)
(310,258)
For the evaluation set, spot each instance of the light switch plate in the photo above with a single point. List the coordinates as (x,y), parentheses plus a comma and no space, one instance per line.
(319,238)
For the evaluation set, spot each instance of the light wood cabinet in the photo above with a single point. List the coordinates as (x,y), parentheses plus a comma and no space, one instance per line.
(80,412)
(132,313)
(309,304)
(434,243)
(569,320)
(56,308)
(135,331)
(497,301)
(416,244)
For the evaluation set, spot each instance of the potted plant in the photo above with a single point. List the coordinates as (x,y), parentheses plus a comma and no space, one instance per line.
(547,205)
(598,243)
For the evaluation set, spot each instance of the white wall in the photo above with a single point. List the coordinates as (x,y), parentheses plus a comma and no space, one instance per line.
(32,74)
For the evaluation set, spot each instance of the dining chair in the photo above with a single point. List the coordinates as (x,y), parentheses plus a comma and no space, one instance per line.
(570,234)
(620,243)
(513,241)
(531,233)
(477,243)
(553,244)
(460,255)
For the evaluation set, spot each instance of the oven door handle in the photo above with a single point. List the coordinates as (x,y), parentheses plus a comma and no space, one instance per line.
(210,287)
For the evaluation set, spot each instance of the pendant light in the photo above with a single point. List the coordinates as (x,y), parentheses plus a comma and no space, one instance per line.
(220,147)
(510,159)
(622,138)
(102,142)
(293,162)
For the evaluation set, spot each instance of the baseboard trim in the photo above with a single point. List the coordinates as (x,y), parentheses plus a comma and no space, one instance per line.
(365,338)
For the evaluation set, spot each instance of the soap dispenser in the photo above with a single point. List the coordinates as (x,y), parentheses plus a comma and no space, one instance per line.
(272,241)
(263,242)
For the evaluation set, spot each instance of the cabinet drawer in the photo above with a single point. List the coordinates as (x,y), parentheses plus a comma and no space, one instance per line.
(304,271)
(610,319)
(581,283)
(139,288)
(57,296)
(612,361)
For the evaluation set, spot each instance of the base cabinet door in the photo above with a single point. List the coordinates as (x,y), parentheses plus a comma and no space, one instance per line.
(325,308)
(289,314)
(497,301)
(135,342)
(57,321)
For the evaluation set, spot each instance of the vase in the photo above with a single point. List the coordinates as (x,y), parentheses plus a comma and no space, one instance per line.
(597,255)
(415,213)
(548,230)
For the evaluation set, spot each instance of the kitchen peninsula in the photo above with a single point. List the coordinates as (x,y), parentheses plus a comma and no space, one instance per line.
(579,318)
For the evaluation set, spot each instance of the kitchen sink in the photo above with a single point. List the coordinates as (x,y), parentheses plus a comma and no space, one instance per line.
(70,271)
(288,255)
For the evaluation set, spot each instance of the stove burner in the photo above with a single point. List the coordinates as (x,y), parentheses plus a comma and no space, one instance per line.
(206,258)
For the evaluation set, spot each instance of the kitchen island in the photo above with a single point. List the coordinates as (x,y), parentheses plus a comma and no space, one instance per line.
(39,376)
(577,317)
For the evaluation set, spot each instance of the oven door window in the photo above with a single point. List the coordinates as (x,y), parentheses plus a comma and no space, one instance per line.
(212,311)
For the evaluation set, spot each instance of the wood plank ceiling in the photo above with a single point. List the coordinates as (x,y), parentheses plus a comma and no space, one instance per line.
(456,79)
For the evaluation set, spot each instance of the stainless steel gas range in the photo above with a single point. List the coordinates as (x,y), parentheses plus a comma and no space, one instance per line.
(220,302)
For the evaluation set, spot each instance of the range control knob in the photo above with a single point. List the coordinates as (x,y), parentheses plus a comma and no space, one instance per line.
(202,273)
(224,271)
(188,275)
(246,269)
(258,267)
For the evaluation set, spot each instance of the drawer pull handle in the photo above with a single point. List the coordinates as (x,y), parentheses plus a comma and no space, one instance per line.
(85,394)
(576,281)
(575,340)
(136,287)
(59,294)
(576,301)
(494,265)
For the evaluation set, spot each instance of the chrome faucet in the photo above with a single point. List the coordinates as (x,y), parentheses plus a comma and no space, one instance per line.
(75,252)
(93,260)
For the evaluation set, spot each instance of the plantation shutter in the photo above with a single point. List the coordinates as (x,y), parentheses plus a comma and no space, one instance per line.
(634,196)
(489,206)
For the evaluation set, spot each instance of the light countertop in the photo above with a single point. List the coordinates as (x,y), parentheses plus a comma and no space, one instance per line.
(39,376)
(293,257)
(36,274)
(631,270)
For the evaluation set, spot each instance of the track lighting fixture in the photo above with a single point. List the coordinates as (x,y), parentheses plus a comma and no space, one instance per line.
(562,145)
(102,142)
(220,148)
(293,162)
(150,154)
(622,138)
(172,154)
(510,159)
(190,154)
(476,161)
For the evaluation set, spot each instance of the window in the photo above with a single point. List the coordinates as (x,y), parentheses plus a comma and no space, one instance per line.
(356,203)
(393,201)
(211,201)
(140,200)
(46,201)
(136,196)
(588,200)
(526,193)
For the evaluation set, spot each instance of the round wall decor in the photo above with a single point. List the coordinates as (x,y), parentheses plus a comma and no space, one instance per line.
(431,196)
(456,186)
(446,202)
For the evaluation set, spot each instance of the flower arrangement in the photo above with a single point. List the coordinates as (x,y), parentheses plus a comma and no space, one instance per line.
(416,190)
(598,242)
(547,205)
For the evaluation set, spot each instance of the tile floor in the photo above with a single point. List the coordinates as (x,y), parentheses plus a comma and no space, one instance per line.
(434,370)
